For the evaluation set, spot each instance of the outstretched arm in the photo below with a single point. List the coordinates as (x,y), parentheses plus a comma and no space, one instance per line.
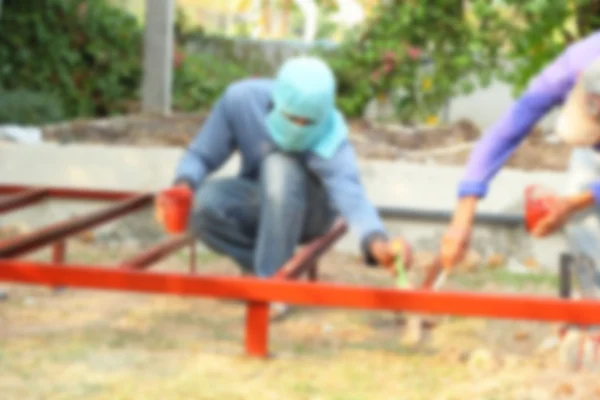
(545,91)
(341,178)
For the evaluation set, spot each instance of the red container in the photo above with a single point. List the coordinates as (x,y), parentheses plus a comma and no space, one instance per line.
(175,204)
(538,202)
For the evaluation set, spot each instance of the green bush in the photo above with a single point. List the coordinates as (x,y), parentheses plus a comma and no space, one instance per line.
(201,79)
(29,108)
(386,58)
(465,44)
(86,53)
(538,31)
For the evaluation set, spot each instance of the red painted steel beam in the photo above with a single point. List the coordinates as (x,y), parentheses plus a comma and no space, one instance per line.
(71,193)
(305,259)
(37,239)
(12,189)
(583,312)
(257,329)
(22,199)
(257,313)
(155,254)
(91,194)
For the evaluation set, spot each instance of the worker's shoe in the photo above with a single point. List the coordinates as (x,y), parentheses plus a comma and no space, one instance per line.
(278,311)
(3,295)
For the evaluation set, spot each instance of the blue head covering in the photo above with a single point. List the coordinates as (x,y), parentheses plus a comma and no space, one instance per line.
(305,87)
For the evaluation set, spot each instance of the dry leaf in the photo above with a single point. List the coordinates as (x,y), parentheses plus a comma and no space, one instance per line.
(87,237)
(522,335)
(470,263)
(496,260)
(565,389)
(531,263)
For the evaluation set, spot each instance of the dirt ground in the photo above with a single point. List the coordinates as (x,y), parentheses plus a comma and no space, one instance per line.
(447,145)
(83,344)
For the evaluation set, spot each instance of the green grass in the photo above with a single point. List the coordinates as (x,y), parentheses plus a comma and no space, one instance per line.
(503,277)
(104,345)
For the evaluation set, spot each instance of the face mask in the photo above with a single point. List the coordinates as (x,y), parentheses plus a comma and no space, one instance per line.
(290,136)
(305,87)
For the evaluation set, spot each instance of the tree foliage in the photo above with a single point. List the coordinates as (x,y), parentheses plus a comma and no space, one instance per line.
(420,53)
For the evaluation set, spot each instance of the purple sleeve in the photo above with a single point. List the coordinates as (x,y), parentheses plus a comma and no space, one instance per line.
(594,187)
(545,91)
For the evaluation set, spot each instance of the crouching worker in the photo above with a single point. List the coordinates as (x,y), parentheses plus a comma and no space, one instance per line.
(298,172)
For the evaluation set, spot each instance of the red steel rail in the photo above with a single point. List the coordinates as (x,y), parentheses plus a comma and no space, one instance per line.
(40,238)
(258,293)
(22,199)
(155,254)
(71,193)
(535,308)
(304,262)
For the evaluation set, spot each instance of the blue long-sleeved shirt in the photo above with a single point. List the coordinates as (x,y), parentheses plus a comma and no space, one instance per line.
(237,122)
(547,90)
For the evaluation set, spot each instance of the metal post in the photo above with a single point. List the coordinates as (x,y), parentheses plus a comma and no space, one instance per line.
(566,261)
(158,56)
(257,329)
(193,257)
(156,253)
(58,258)
(313,272)
(58,252)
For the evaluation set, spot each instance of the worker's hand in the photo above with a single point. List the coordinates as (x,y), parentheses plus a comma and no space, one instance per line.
(454,245)
(559,211)
(385,252)
(457,237)
(159,214)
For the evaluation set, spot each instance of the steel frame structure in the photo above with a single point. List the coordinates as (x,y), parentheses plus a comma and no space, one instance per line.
(134,274)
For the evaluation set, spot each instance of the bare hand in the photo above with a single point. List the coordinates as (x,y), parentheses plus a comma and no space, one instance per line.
(385,253)
(559,211)
(457,237)
(454,245)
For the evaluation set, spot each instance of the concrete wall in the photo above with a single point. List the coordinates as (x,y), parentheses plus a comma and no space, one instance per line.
(485,106)
(150,169)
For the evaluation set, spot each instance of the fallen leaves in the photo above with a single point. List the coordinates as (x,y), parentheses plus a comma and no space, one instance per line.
(522,336)
(482,360)
(564,389)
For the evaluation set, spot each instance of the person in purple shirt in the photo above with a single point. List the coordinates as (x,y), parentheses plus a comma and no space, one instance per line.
(572,80)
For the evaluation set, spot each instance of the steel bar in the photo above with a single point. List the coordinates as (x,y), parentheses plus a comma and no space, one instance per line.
(71,193)
(257,321)
(313,272)
(155,254)
(58,257)
(308,255)
(58,252)
(193,257)
(257,329)
(584,312)
(35,240)
(565,274)
(22,199)
(508,220)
